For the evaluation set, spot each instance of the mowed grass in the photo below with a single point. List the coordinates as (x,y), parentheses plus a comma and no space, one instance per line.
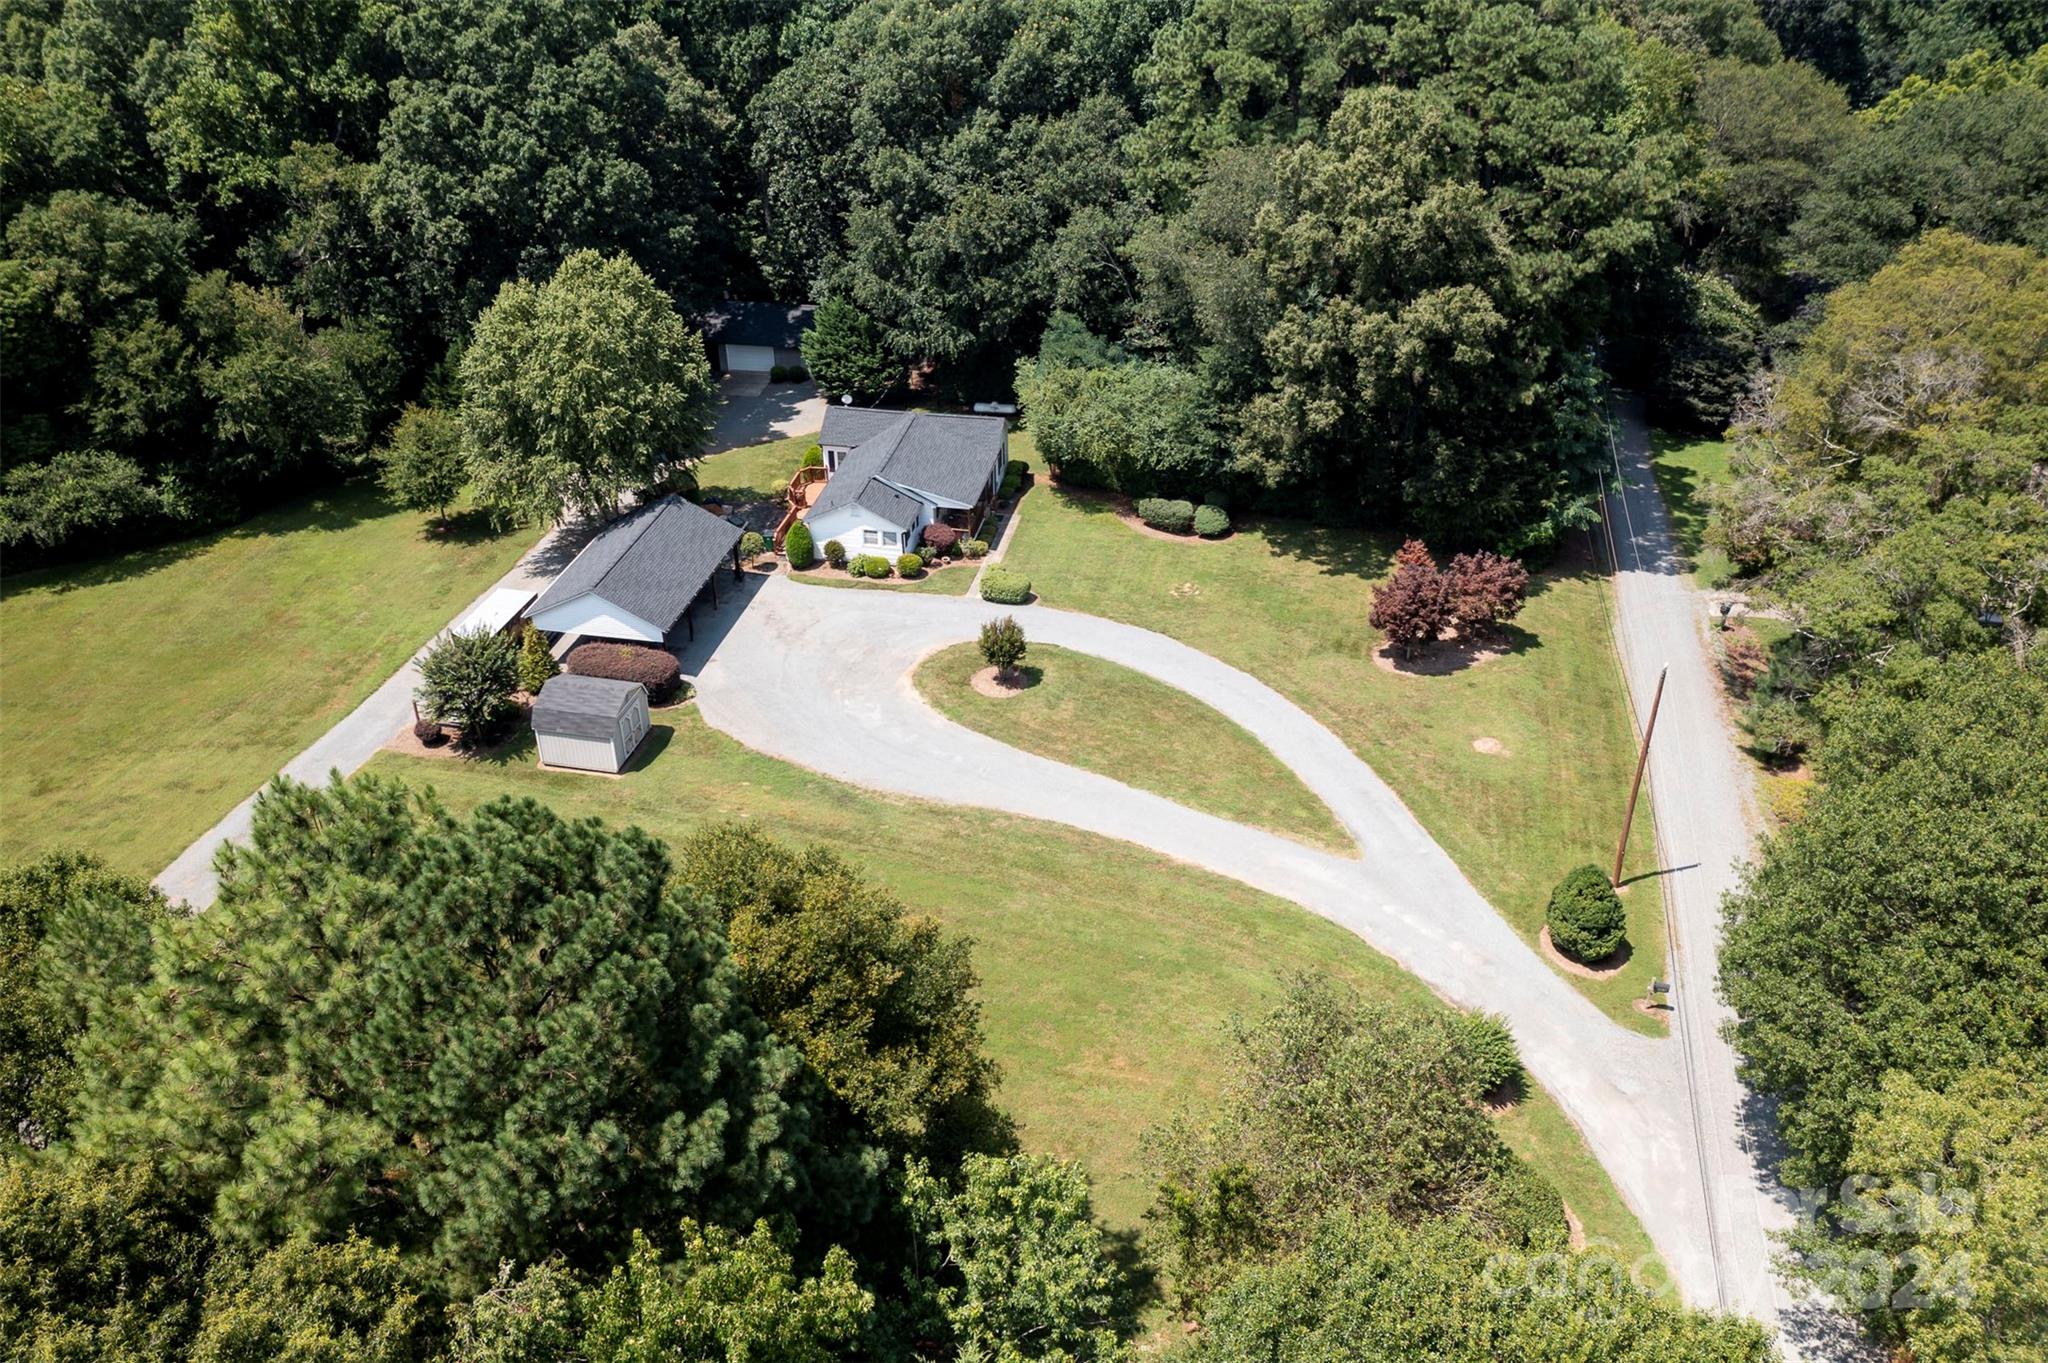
(1288,603)
(1107,718)
(752,473)
(143,696)
(1108,974)
(1685,467)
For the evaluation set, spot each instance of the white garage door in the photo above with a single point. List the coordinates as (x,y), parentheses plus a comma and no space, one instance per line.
(749,359)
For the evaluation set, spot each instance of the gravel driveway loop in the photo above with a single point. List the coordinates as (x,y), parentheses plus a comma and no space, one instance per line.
(821,678)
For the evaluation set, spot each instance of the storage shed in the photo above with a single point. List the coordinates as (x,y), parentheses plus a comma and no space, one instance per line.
(589,723)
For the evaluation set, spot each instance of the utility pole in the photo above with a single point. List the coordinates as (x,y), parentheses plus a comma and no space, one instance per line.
(1636,786)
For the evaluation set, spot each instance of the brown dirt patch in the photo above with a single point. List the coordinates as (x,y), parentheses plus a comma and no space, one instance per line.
(1575,1229)
(1605,970)
(1440,659)
(404,742)
(989,684)
(1492,747)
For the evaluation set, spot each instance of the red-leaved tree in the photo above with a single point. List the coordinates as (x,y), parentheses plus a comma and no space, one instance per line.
(1486,591)
(1413,607)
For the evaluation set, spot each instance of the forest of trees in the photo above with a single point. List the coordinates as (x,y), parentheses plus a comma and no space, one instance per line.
(508,1087)
(1363,260)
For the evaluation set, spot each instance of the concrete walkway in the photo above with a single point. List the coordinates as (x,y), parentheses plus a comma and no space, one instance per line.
(1706,825)
(364,730)
(821,678)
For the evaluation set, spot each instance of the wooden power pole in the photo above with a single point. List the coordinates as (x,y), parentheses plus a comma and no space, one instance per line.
(1636,786)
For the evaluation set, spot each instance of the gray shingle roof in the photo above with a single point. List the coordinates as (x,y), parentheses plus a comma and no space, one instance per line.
(774,324)
(652,562)
(582,707)
(953,458)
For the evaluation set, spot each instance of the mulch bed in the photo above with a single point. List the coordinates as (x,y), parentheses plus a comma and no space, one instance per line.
(1440,659)
(1617,962)
(821,569)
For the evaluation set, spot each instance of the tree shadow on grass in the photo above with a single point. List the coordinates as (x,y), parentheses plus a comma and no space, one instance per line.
(1141,1286)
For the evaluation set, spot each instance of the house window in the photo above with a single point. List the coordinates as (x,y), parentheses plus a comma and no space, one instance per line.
(870,537)
(889,538)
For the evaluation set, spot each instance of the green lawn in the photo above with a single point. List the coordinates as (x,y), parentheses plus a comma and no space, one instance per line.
(1108,973)
(952,580)
(1104,717)
(1288,603)
(1685,467)
(142,696)
(752,473)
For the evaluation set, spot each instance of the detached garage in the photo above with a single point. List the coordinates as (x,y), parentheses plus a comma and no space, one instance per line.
(589,723)
(752,338)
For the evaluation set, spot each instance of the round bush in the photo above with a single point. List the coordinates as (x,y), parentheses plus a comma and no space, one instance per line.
(752,545)
(814,456)
(653,668)
(430,734)
(1490,1046)
(797,543)
(778,374)
(1174,517)
(909,565)
(835,553)
(1004,587)
(925,554)
(975,548)
(1211,521)
(939,536)
(1586,919)
(868,565)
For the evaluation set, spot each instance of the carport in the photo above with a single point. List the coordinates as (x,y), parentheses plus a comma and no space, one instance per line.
(637,579)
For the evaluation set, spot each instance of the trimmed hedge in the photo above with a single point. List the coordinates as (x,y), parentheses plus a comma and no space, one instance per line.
(1585,917)
(835,553)
(1211,521)
(1004,587)
(797,543)
(1013,481)
(975,548)
(1490,1047)
(653,668)
(909,565)
(1174,517)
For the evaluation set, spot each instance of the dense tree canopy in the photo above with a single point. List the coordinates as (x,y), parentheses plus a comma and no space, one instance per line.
(1888,488)
(1896,925)
(490,1037)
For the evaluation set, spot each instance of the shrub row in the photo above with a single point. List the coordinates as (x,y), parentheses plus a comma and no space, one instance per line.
(1004,587)
(868,565)
(653,668)
(788,373)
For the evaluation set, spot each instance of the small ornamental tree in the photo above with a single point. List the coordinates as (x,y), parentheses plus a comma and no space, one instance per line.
(941,537)
(1414,554)
(467,680)
(536,662)
(1585,917)
(1002,645)
(752,546)
(1413,607)
(835,553)
(1487,591)
(799,545)
(423,464)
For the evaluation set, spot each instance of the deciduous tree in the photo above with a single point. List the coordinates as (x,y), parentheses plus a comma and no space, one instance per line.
(424,468)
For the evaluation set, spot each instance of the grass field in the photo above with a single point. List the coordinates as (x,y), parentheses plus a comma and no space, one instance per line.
(1108,973)
(1288,604)
(1685,467)
(143,696)
(1104,717)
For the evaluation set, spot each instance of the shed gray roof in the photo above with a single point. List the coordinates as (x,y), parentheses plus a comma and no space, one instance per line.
(953,458)
(775,324)
(583,707)
(651,563)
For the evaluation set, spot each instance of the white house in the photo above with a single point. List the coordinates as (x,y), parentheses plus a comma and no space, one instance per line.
(894,473)
(638,576)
